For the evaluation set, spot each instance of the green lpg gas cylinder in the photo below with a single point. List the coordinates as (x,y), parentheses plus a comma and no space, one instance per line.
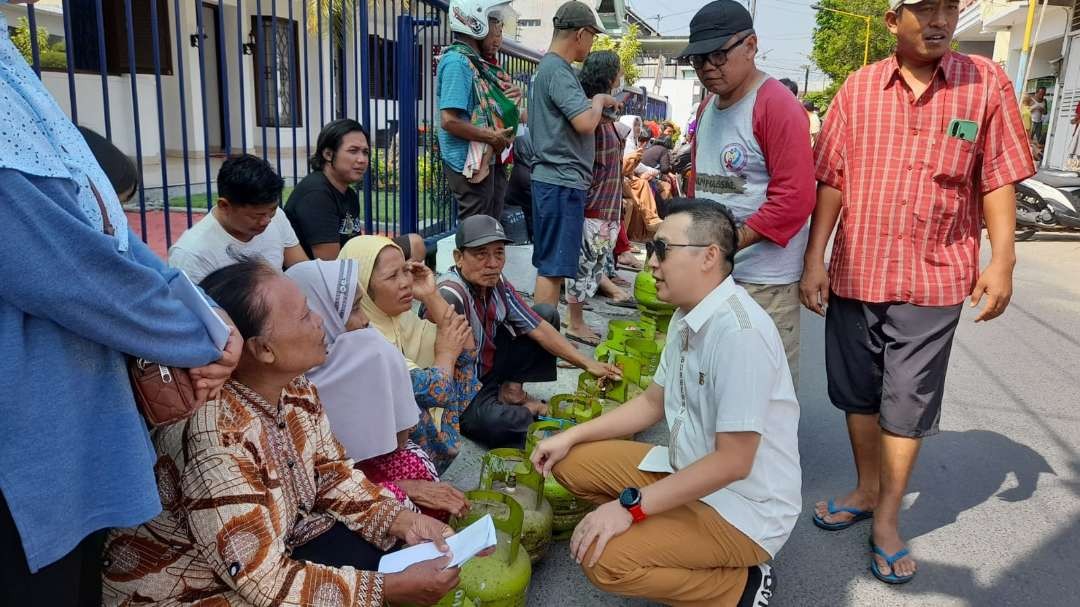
(590,385)
(502,579)
(618,332)
(509,471)
(647,351)
(568,509)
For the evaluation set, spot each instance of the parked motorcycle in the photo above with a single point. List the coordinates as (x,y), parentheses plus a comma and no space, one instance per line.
(1048,202)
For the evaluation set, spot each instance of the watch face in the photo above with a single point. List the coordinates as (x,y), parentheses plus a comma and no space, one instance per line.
(629,497)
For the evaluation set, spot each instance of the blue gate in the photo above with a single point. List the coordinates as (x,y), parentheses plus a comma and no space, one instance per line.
(179,85)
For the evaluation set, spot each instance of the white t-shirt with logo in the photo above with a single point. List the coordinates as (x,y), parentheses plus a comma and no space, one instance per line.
(732,169)
(724,370)
(207,247)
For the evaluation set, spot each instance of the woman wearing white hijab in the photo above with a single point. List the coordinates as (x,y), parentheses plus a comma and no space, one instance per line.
(367,393)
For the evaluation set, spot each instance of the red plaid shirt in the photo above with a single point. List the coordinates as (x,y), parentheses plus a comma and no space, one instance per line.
(911,219)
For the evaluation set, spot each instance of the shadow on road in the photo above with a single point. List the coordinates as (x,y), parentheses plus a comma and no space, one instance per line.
(958,471)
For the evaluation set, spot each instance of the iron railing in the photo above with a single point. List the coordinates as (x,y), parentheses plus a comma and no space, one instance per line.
(179,85)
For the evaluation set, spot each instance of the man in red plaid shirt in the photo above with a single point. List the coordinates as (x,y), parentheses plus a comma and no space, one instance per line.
(917,151)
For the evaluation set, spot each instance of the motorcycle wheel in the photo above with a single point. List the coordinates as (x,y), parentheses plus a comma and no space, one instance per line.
(1022,235)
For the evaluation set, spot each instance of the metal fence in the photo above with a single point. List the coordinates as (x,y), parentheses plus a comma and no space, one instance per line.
(179,85)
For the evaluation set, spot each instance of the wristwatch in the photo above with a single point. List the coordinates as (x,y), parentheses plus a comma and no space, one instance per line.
(630,498)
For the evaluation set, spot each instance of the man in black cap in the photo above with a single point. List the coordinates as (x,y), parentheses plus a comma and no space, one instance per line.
(524,338)
(752,155)
(562,121)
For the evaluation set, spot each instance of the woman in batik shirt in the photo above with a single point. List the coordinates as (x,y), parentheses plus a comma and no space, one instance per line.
(261,505)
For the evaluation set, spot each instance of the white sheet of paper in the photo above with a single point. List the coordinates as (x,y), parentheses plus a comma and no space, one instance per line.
(656,460)
(194,300)
(464,545)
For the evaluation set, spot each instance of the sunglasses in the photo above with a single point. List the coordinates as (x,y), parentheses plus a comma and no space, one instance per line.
(660,248)
(718,57)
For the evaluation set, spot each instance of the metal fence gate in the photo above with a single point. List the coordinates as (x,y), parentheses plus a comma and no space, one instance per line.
(179,85)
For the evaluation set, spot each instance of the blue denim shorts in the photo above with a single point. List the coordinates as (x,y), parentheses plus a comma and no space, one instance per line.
(558,217)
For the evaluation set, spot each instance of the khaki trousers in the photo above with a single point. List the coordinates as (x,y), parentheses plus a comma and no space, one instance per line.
(782,304)
(688,557)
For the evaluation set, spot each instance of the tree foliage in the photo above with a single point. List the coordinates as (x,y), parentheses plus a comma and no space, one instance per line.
(628,48)
(839,40)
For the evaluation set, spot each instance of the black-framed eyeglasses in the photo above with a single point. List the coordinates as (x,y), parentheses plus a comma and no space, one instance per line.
(660,248)
(718,57)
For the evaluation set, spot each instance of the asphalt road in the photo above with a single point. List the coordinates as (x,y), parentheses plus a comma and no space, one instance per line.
(993,511)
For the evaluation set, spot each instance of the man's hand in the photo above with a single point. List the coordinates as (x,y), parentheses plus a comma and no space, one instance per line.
(209,379)
(422,583)
(435,496)
(996,283)
(600,369)
(551,451)
(500,139)
(814,287)
(511,90)
(599,526)
(609,101)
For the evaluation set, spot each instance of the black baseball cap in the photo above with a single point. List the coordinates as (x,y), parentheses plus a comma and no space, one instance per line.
(575,15)
(714,25)
(479,230)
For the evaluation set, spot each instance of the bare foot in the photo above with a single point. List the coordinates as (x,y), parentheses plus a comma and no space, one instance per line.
(627,259)
(512,393)
(856,499)
(888,540)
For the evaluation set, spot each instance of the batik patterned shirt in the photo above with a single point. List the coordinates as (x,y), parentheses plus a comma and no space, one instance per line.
(242,483)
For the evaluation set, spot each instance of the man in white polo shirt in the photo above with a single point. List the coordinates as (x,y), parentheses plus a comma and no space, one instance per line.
(245,221)
(693,523)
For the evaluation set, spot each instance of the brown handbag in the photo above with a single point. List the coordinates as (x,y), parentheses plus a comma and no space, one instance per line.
(164,394)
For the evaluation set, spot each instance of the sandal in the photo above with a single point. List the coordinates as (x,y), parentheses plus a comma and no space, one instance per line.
(629,302)
(890,560)
(592,342)
(857,515)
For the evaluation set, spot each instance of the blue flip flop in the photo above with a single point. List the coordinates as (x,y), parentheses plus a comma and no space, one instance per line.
(857,515)
(890,560)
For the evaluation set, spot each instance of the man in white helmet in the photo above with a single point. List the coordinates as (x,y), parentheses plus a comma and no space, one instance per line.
(478,107)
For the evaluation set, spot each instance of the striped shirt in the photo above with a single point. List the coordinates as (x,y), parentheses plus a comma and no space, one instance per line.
(911,218)
(487,309)
(604,199)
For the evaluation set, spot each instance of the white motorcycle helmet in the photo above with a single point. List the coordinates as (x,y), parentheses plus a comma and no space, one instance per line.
(470,17)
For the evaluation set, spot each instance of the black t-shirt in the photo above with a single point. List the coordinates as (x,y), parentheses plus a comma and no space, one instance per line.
(321,214)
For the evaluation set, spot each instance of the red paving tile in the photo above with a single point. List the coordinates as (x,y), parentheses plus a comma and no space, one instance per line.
(155,228)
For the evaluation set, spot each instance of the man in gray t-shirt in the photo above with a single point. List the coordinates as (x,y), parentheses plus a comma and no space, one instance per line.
(562,121)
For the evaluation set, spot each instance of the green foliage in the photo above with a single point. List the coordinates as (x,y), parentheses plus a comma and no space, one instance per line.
(342,12)
(52,56)
(839,39)
(628,48)
(822,99)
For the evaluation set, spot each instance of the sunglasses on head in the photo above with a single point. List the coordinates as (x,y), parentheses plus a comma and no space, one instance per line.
(660,248)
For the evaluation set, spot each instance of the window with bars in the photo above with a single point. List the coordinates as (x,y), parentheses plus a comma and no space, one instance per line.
(277,72)
(529,23)
(383,71)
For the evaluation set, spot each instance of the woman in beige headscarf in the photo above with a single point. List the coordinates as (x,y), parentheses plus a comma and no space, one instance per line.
(441,355)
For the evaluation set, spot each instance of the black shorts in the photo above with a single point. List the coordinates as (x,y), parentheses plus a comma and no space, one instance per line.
(484,198)
(889,358)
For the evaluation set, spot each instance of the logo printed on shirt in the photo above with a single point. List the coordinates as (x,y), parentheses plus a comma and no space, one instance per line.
(351,225)
(734,156)
(721,184)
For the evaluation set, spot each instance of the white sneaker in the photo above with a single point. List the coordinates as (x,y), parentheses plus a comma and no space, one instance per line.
(760,586)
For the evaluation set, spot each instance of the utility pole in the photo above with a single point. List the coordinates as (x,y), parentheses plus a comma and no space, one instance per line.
(753,9)
(806,80)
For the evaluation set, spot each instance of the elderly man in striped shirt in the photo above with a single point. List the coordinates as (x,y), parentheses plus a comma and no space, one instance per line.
(917,151)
